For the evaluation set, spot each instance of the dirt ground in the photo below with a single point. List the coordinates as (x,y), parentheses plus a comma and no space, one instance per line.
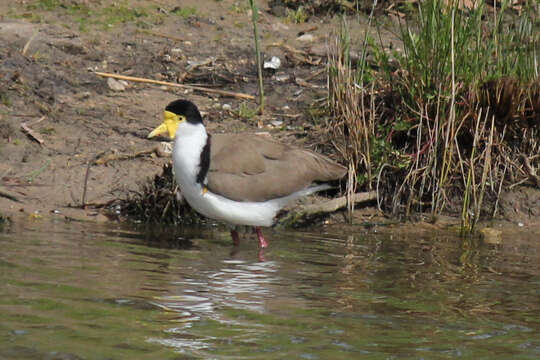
(50,50)
(52,89)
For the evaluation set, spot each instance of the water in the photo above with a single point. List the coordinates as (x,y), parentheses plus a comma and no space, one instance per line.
(87,291)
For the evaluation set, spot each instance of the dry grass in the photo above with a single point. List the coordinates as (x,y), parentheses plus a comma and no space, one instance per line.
(159,201)
(433,134)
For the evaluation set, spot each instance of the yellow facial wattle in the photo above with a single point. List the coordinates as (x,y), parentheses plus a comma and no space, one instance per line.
(169,124)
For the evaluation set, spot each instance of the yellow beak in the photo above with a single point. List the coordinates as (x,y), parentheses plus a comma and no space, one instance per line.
(169,125)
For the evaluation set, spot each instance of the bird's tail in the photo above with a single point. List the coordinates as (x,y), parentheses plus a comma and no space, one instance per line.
(301,193)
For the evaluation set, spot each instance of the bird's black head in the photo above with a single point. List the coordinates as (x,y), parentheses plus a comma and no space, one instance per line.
(187,109)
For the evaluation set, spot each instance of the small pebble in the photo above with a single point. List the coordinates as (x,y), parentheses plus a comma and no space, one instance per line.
(282,77)
(306,38)
(274,63)
(115,85)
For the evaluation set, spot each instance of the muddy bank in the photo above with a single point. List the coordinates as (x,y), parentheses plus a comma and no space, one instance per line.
(57,117)
(48,87)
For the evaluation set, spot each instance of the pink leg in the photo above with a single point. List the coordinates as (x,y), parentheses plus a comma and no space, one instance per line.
(262,241)
(235,238)
(261,255)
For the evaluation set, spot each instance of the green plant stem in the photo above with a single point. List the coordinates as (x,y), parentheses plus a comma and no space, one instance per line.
(254,18)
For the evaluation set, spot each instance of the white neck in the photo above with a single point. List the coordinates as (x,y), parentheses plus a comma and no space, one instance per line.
(188,145)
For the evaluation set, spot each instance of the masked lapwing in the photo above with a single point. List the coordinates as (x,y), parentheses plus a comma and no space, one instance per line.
(240,179)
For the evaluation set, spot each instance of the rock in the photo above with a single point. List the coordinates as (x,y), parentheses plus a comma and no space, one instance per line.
(306,38)
(115,85)
(282,77)
(274,63)
(491,236)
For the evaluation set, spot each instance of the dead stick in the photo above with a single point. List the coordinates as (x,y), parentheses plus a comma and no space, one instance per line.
(306,211)
(37,121)
(32,134)
(530,171)
(9,196)
(27,45)
(183,86)
(315,74)
(337,203)
(106,158)
(287,47)
(175,38)
(83,205)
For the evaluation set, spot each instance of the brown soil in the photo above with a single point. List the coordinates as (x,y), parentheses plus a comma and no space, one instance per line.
(47,82)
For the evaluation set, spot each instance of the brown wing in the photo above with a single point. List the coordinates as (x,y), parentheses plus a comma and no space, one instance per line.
(254,168)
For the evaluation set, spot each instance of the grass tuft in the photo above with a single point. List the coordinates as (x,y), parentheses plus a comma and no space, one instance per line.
(452,120)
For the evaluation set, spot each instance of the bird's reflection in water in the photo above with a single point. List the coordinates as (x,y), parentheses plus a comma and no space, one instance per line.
(236,249)
(238,284)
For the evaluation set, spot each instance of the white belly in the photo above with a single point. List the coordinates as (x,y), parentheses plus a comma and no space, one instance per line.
(220,208)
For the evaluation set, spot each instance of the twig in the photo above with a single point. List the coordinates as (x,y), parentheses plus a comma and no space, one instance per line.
(337,203)
(9,196)
(107,157)
(288,48)
(294,116)
(27,45)
(530,171)
(183,86)
(299,55)
(303,83)
(160,35)
(315,74)
(306,211)
(378,180)
(94,205)
(83,200)
(495,207)
(31,132)
(194,65)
